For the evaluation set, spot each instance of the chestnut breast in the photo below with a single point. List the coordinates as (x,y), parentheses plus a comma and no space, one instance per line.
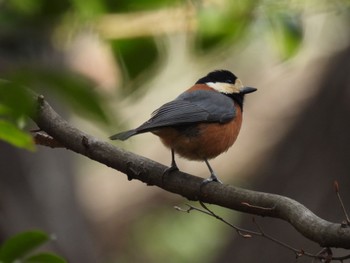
(202,140)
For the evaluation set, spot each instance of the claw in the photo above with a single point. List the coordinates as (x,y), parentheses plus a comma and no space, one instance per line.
(212,178)
(170,169)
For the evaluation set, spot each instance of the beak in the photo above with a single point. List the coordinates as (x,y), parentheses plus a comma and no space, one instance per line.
(246,90)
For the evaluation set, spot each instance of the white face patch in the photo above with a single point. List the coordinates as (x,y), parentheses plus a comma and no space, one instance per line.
(226,88)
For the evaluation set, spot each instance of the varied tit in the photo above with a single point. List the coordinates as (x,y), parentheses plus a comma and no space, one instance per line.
(202,122)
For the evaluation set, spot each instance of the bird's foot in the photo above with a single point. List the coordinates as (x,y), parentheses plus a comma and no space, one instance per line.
(212,178)
(170,169)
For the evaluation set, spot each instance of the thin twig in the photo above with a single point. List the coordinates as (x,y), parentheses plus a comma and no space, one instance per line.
(298,252)
(246,233)
(261,233)
(242,232)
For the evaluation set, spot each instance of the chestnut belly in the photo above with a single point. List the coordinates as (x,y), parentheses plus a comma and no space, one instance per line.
(200,141)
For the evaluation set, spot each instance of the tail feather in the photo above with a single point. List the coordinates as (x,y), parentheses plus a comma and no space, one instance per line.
(122,136)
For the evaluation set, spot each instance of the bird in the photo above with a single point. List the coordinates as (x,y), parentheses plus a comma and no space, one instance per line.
(201,123)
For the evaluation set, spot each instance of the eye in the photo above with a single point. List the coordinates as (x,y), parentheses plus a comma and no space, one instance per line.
(229,81)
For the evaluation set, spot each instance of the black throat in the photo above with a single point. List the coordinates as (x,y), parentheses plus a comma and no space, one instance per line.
(238,98)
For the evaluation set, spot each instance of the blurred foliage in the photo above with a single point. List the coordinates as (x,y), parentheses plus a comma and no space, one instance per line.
(15,105)
(224,23)
(76,90)
(89,9)
(17,102)
(287,33)
(15,136)
(135,55)
(44,258)
(187,237)
(26,13)
(20,248)
(140,5)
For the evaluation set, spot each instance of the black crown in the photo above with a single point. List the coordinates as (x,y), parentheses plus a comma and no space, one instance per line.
(223,76)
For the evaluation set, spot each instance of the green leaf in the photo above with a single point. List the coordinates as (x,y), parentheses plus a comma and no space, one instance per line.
(12,135)
(140,5)
(78,92)
(15,99)
(287,33)
(21,244)
(218,24)
(136,55)
(74,89)
(89,8)
(25,7)
(45,258)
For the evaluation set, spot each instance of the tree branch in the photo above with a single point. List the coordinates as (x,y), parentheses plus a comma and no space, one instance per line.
(325,233)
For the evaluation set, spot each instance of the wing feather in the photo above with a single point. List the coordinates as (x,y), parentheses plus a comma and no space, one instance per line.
(191,107)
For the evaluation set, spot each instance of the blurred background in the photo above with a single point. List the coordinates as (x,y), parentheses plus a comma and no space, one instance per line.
(106,65)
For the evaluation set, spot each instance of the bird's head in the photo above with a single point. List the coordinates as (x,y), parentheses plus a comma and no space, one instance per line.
(228,84)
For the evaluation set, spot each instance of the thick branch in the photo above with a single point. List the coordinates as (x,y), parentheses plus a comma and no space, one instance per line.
(325,233)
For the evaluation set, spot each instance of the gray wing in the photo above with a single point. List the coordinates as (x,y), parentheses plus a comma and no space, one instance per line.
(191,107)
